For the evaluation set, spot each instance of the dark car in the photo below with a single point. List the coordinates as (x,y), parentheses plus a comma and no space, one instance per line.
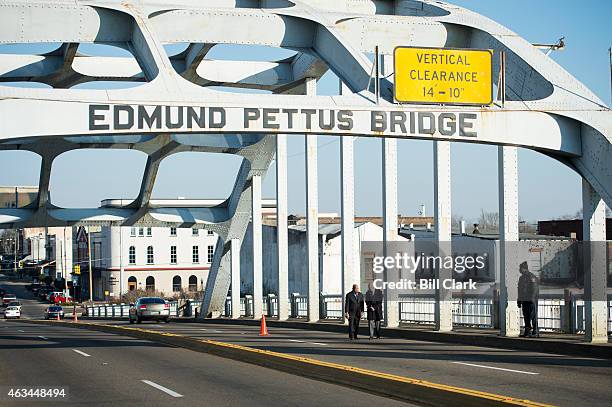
(53,311)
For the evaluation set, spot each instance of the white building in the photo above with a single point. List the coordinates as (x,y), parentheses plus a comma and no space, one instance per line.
(163,259)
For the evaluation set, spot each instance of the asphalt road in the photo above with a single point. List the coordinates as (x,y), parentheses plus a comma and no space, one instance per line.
(546,378)
(99,369)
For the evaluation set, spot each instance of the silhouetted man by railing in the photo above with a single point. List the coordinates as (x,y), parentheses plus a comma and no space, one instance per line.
(528,292)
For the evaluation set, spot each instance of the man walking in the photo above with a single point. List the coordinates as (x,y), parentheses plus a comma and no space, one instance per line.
(374,299)
(353,307)
(528,292)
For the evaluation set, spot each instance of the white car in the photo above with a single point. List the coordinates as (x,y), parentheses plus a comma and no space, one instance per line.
(12,312)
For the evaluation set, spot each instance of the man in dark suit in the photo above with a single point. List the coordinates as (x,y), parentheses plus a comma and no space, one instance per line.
(353,307)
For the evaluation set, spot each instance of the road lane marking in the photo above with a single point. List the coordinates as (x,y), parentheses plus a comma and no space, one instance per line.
(217,331)
(495,368)
(20,330)
(81,352)
(162,388)
(43,337)
(295,340)
(203,329)
(318,343)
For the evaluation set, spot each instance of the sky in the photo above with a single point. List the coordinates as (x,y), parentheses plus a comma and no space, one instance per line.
(547,188)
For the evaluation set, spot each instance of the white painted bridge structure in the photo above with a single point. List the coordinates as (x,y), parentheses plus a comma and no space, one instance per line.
(176,110)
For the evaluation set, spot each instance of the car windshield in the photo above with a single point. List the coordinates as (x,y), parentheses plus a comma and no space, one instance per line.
(152,301)
(9,296)
(14,303)
(12,309)
(55,308)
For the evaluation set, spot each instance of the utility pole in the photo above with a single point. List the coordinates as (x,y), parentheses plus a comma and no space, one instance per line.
(610,54)
(89,261)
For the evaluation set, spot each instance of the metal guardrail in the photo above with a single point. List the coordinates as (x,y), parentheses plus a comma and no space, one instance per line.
(331,307)
(299,306)
(420,310)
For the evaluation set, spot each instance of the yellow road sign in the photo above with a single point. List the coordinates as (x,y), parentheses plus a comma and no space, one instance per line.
(444,76)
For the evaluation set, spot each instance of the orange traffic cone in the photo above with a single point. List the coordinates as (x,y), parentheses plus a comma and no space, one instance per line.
(74,317)
(263,330)
(58,318)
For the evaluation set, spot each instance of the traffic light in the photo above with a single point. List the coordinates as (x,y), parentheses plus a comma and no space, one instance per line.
(20,264)
(77,269)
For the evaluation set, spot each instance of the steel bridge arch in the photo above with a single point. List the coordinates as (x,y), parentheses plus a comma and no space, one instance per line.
(547,109)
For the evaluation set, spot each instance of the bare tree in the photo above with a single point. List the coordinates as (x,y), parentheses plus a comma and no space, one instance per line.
(488,220)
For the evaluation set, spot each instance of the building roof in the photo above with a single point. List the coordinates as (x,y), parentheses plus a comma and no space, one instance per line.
(326,228)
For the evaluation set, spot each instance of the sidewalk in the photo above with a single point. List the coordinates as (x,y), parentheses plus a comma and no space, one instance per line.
(558,343)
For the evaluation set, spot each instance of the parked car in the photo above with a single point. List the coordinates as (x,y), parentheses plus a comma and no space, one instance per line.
(52,294)
(8,298)
(15,304)
(12,312)
(150,308)
(59,298)
(53,311)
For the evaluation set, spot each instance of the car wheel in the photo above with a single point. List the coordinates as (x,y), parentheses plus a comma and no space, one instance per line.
(139,321)
(167,320)
(131,321)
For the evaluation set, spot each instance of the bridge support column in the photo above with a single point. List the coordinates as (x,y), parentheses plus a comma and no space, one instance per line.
(442,217)
(281,227)
(509,316)
(389,178)
(595,270)
(235,276)
(312,216)
(347,176)
(257,246)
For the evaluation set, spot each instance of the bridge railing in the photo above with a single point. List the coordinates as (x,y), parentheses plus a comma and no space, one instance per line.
(299,306)
(331,306)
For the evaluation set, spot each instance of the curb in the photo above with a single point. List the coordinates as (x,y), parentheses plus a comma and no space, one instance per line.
(388,385)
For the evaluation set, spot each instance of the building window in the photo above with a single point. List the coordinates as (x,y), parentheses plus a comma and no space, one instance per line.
(132,255)
(140,231)
(150,255)
(172,254)
(176,283)
(150,283)
(195,232)
(210,233)
(132,283)
(132,232)
(193,283)
(149,232)
(195,257)
(211,253)
(172,231)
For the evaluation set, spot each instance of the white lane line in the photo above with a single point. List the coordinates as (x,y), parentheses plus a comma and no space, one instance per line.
(203,329)
(43,337)
(495,368)
(318,343)
(20,330)
(295,340)
(217,331)
(81,352)
(162,388)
